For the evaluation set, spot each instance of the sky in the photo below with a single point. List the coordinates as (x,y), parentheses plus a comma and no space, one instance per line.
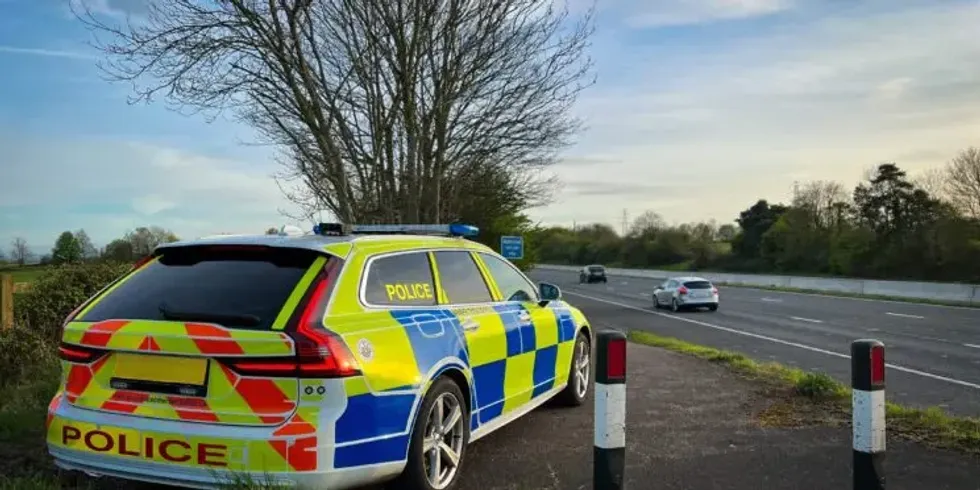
(700,108)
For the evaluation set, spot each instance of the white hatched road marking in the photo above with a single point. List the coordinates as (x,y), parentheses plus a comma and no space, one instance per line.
(972,345)
(779,341)
(772,300)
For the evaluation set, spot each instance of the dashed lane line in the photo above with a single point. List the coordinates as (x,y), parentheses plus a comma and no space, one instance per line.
(905,315)
(801,319)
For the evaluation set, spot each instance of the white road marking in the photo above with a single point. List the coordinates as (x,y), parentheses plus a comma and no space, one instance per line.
(972,345)
(780,341)
(905,315)
(772,300)
(801,319)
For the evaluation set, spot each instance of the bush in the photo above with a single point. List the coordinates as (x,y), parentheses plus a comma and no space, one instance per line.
(60,290)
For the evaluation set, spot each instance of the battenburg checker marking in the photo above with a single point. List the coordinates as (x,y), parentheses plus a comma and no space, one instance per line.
(609,454)
(868,413)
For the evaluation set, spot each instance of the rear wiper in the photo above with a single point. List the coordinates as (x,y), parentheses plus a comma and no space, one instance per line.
(221,318)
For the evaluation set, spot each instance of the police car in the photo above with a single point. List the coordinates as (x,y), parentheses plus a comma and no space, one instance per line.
(347,356)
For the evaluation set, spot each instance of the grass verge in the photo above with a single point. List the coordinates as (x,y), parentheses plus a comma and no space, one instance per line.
(839,294)
(830,398)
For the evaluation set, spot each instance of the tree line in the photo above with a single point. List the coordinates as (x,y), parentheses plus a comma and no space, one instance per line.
(73,247)
(888,226)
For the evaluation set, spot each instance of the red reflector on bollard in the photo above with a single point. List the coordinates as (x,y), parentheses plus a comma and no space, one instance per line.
(616,359)
(877,365)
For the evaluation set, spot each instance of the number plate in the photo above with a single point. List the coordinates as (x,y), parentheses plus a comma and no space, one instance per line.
(161,369)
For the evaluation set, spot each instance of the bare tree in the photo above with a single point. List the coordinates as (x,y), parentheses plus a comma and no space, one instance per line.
(19,251)
(384,109)
(933,181)
(962,182)
(824,202)
(647,221)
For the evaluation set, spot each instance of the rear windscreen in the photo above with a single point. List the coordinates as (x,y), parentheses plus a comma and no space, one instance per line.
(596,268)
(217,285)
(698,285)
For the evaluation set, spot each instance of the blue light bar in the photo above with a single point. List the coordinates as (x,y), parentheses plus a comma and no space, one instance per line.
(459,229)
(455,229)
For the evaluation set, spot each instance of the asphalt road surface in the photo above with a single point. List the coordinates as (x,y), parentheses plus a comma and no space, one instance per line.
(933,352)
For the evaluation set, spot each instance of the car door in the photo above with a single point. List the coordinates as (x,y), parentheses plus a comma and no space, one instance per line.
(543,353)
(463,289)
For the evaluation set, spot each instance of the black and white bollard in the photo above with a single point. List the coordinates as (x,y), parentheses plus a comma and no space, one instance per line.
(868,413)
(609,453)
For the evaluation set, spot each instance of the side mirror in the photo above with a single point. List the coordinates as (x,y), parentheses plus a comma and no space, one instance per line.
(548,292)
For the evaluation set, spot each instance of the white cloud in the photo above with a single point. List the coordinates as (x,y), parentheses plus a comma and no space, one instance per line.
(56,53)
(681,12)
(715,129)
(109,187)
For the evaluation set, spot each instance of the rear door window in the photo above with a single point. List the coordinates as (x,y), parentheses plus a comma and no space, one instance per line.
(512,284)
(236,288)
(404,279)
(697,285)
(460,278)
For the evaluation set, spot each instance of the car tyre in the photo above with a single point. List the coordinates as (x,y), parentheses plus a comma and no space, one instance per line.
(579,374)
(675,306)
(713,308)
(426,433)
(656,302)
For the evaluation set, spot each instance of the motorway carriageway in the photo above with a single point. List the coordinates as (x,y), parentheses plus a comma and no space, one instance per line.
(933,352)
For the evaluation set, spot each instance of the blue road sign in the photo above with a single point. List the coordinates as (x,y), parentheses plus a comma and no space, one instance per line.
(512,247)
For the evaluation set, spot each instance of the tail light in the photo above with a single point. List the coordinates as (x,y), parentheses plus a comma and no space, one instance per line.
(714,290)
(320,353)
(682,290)
(78,354)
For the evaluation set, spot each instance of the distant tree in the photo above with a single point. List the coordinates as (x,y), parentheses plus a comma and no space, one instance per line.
(755,222)
(272,231)
(20,253)
(66,249)
(144,239)
(933,181)
(647,221)
(118,250)
(727,232)
(88,250)
(46,259)
(890,204)
(962,182)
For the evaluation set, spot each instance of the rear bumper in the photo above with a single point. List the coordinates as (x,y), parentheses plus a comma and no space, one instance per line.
(698,301)
(202,455)
(167,474)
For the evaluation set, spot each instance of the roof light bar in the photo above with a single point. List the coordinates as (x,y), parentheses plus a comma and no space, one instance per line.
(454,229)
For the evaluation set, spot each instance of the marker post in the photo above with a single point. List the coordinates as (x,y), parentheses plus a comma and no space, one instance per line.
(609,452)
(868,413)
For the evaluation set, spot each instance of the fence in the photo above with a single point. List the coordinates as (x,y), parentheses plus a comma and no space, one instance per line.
(7,289)
(935,291)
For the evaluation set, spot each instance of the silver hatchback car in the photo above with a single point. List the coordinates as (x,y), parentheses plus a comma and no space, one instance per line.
(678,293)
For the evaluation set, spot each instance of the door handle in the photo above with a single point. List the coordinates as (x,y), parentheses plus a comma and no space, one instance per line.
(470,325)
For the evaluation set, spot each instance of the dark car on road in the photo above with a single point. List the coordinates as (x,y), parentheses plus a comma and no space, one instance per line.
(592,273)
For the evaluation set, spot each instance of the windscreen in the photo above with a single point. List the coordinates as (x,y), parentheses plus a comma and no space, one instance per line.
(697,285)
(596,268)
(233,287)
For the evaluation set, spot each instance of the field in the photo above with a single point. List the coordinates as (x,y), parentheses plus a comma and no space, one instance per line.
(25,274)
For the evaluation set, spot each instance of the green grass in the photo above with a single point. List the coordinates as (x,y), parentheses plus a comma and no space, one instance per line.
(856,295)
(931,426)
(27,273)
